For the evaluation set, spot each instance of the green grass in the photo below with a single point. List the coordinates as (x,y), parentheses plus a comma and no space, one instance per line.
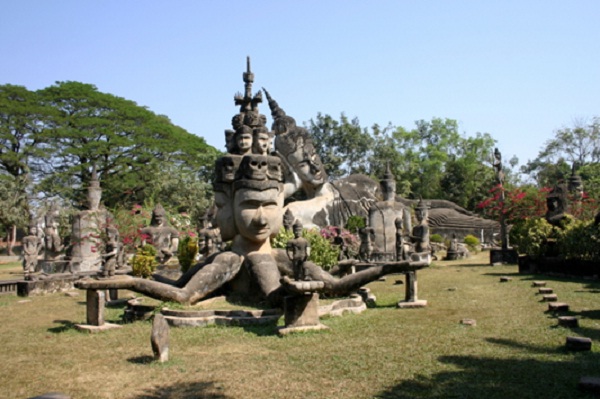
(515,350)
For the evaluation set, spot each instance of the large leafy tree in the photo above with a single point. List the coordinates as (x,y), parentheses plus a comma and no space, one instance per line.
(344,146)
(579,145)
(128,144)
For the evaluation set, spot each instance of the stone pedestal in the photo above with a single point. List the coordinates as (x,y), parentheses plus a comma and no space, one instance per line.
(85,255)
(95,313)
(160,338)
(499,256)
(301,313)
(410,299)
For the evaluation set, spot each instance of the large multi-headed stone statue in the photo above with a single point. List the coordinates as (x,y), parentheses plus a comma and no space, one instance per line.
(249,195)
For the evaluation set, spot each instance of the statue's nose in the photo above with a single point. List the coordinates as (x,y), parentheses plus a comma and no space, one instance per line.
(259,217)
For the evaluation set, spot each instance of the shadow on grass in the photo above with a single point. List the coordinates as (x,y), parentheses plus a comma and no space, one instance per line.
(146,359)
(65,325)
(481,377)
(185,390)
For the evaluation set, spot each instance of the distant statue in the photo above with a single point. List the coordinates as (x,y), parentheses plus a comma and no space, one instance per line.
(208,238)
(110,256)
(298,251)
(54,245)
(367,236)
(420,233)
(288,220)
(556,205)
(32,245)
(162,236)
(498,166)
(400,250)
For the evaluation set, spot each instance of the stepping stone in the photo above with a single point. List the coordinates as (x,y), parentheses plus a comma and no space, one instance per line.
(545,290)
(398,282)
(558,307)
(538,284)
(452,289)
(505,279)
(568,321)
(468,322)
(579,343)
(382,279)
(591,384)
(160,338)
(550,298)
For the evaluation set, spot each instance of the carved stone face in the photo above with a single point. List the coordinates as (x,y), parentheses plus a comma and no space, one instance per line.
(159,219)
(307,164)
(224,216)
(244,142)
(33,231)
(420,214)
(262,142)
(258,214)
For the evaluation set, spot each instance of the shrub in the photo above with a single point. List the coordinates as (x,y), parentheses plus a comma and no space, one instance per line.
(472,242)
(436,238)
(531,236)
(144,261)
(354,223)
(187,251)
(322,252)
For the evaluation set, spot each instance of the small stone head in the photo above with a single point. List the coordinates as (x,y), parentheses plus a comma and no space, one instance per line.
(261,143)
(297,228)
(243,139)
(159,216)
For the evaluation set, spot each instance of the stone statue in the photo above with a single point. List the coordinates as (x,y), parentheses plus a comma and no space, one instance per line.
(367,236)
(32,245)
(556,205)
(249,196)
(420,233)
(288,220)
(111,252)
(498,166)
(161,235)
(54,246)
(298,251)
(400,250)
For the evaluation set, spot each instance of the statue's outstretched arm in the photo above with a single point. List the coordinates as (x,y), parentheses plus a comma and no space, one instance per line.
(209,278)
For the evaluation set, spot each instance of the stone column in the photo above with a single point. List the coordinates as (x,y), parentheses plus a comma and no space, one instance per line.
(410,299)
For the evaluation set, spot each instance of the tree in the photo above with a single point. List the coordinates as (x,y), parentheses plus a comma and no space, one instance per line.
(128,144)
(344,146)
(579,144)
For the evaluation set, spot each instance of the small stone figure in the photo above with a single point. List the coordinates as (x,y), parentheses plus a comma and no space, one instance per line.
(420,233)
(54,245)
(400,253)
(243,138)
(556,205)
(111,252)
(298,251)
(367,236)
(32,245)
(162,236)
(498,166)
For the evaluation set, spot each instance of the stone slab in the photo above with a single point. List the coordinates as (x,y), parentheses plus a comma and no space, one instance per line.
(545,290)
(558,307)
(505,279)
(579,343)
(52,395)
(419,303)
(96,329)
(301,329)
(468,322)
(550,298)
(590,384)
(568,321)
(538,284)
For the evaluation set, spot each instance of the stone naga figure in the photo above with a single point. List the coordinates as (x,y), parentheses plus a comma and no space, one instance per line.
(32,245)
(163,237)
(249,195)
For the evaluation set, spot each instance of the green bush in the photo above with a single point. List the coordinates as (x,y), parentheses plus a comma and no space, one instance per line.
(322,252)
(186,252)
(472,242)
(436,238)
(144,261)
(531,236)
(354,223)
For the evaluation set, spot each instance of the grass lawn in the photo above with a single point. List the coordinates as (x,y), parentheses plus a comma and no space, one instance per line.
(515,350)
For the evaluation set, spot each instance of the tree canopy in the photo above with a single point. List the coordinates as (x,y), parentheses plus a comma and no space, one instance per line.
(57,135)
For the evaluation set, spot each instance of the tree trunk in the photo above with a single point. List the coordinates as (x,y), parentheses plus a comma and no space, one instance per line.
(12,239)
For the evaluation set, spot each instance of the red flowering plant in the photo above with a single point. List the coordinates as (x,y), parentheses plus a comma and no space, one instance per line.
(518,204)
(336,234)
(129,222)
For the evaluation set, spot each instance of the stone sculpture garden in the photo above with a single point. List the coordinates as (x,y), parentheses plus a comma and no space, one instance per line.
(275,310)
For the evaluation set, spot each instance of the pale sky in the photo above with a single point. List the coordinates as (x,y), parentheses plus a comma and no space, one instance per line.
(518,70)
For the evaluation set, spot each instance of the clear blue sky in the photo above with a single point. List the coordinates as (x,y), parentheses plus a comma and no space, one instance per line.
(515,69)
